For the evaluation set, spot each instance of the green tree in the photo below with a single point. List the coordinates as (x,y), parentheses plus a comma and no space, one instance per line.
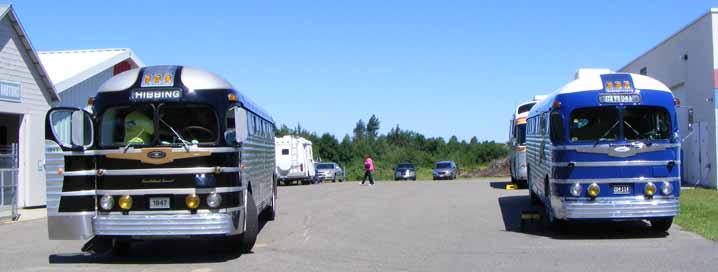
(372,127)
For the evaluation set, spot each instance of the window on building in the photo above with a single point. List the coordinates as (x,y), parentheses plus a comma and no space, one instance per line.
(644,71)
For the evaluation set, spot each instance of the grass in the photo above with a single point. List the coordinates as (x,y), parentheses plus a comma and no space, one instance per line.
(699,212)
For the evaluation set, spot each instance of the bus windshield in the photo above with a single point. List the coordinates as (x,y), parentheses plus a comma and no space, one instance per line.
(521,134)
(646,123)
(135,125)
(594,124)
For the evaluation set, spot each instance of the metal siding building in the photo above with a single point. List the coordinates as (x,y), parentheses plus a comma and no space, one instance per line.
(687,62)
(77,74)
(26,94)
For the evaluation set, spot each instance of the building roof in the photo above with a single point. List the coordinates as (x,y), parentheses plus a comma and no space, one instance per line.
(7,10)
(70,67)
(710,12)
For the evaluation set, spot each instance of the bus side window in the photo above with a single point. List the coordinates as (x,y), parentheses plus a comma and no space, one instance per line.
(556,128)
(241,121)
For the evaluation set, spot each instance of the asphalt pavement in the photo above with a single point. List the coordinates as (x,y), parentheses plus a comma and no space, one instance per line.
(461,225)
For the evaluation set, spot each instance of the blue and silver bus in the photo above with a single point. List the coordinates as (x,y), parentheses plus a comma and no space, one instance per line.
(166,152)
(606,147)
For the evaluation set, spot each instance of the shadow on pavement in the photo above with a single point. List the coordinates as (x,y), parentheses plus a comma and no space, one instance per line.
(513,206)
(174,251)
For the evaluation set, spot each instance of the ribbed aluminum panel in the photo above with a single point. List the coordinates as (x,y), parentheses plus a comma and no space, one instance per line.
(54,160)
(161,225)
(620,209)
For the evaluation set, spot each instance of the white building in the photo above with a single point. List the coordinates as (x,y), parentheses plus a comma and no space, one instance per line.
(687,62)
(77,74)
(26,94)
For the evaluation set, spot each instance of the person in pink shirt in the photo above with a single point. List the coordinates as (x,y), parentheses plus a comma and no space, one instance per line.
(368,169)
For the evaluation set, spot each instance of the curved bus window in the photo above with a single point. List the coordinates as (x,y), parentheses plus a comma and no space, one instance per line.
(196,124)
(594,124)
(646,123)
(123,125)
(520,134)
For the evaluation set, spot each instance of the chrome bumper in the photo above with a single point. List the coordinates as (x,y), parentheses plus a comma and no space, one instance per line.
(624,208)
(169,224)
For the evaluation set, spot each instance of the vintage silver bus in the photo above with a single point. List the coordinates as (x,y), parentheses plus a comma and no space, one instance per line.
(164,152)
(517,141)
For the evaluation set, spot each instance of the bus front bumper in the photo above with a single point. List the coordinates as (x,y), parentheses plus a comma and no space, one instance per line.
(169,224)
(624,208)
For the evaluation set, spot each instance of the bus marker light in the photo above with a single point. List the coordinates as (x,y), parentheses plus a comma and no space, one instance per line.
(650,189)
(125,202)
(593,190)
(666,188)
(192,201)
(576,190)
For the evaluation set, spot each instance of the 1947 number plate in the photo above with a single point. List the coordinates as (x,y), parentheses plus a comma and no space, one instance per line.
(621,189)
(159,203)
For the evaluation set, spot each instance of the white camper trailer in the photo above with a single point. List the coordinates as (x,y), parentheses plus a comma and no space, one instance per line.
(295,160)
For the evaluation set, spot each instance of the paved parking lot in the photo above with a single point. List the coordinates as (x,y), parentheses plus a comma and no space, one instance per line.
(464,225)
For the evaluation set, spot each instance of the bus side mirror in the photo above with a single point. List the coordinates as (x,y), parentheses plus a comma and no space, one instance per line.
(690,119)
(71,128)
(241,125)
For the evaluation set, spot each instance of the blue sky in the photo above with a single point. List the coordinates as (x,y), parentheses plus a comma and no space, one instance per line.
(441,68)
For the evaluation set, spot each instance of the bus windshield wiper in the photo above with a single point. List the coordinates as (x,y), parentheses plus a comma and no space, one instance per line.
(184,142)
(127,146)
(648,141)
(605,133)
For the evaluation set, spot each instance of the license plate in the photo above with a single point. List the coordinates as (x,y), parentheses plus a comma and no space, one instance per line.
(159,203)
(621,189)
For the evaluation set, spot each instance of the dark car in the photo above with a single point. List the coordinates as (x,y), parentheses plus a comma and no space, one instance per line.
(405,171)
(445,170)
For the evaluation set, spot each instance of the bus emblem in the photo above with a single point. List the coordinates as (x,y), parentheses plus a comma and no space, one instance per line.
(156,155)
(622,149)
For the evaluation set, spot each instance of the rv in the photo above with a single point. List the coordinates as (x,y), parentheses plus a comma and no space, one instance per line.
(606,147)
(167,152)
(295,161)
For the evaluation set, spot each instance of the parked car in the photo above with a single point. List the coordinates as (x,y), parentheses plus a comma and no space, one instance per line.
(405,171)
(445,170)
(329,171)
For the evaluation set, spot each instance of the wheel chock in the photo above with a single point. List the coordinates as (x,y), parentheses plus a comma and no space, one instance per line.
(511,186)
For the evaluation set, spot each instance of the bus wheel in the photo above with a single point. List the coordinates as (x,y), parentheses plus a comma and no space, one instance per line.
(661,225)
(247,239)
(271,211)
(535,200)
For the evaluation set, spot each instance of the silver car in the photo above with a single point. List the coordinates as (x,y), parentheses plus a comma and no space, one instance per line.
(329,171)
(445,170)
(405,171)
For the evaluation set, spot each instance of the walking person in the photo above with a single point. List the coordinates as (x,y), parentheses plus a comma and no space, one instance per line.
(368,169)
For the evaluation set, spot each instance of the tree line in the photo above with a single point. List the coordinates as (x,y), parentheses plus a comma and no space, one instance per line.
(396,146)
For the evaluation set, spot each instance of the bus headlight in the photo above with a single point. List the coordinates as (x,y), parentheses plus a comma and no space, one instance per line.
(106,202)
(650,189)
(666,188)
(192,201)
(125,202)
(593,190)
(576,190)
(214,200)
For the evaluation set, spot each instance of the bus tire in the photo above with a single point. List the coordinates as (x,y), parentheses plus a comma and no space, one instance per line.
(249,237)
(270,213)
(661,224)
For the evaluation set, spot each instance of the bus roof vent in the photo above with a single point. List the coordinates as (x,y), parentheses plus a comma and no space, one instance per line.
(589,72)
